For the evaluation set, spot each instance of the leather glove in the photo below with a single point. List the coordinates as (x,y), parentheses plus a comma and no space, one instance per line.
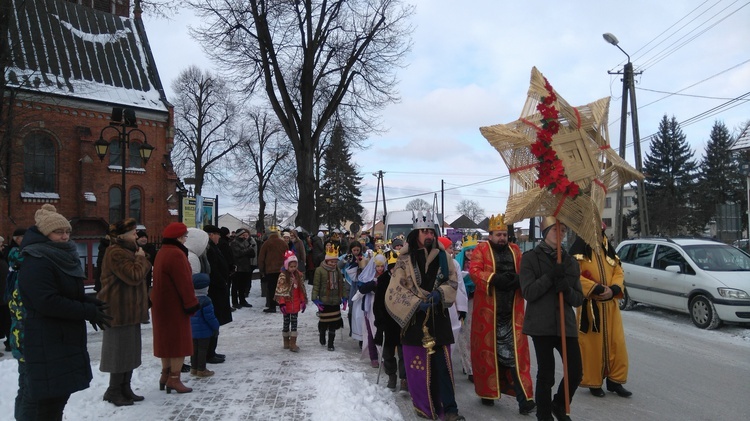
(282,308)
(319,304)
(461,315)
(559,271)
(561,284)
(303,307)
(344,302)
(599,289)
(101,318)
(424,306)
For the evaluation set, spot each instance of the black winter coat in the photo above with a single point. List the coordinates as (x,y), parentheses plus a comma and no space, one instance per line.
(218,289)
(57,308)
(383,321)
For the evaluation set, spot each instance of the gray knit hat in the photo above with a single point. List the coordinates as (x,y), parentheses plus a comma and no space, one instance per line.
(47,219)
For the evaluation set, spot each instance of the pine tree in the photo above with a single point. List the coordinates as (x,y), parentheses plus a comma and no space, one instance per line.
(670,172)
(340,191)
(720,181)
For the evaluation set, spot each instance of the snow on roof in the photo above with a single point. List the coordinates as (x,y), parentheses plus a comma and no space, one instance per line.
(743,142)
(62,48)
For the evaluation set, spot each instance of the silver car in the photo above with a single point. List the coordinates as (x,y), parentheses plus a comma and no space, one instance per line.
(706,279)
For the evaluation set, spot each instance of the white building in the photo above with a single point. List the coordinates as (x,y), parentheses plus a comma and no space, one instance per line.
(610,210)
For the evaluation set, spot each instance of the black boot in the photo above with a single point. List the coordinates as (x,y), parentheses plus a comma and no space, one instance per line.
(322,331)
(617,388)
(331,337)
(127,391)
(114,391)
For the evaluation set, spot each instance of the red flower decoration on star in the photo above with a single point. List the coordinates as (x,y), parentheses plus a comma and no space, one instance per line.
(551,169)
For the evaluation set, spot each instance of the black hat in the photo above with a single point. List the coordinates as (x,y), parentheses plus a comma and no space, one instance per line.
(212,229)
(224,231)
(19,231)
(397,242)
(141,233)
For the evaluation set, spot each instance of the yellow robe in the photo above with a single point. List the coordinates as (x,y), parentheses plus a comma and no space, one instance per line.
(604,353)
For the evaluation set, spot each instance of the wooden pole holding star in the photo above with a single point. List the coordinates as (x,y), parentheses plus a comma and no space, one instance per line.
(561,165)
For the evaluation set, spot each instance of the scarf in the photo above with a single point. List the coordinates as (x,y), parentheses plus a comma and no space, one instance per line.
(332,283)
(63,255)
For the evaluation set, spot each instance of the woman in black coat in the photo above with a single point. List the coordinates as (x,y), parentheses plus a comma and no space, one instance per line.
(218,289)
(55,359)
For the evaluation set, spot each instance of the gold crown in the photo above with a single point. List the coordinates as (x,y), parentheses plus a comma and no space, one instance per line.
(497,223)
(273,228)
(332,252)
(392,257)
(470,240)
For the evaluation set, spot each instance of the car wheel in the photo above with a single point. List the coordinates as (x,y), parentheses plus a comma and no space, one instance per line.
(625,302)
(703,313)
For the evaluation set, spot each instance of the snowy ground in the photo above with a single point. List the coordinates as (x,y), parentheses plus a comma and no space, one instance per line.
(261,381)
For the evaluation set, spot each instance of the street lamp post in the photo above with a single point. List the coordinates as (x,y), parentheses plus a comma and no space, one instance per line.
(628,89)
(121,120)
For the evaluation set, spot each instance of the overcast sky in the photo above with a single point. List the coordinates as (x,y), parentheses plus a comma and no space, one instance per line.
(470,67)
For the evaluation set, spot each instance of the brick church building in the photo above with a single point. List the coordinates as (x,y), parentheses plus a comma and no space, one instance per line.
(66,66)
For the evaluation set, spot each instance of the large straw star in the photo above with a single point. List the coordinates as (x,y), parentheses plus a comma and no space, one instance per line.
(582,144)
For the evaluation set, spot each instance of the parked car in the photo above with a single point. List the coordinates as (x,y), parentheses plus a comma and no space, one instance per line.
(706,279)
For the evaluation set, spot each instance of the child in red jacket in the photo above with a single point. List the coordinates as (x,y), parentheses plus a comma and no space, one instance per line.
(292,298)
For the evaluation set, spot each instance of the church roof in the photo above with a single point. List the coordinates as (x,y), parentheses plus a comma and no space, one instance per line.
(62,48)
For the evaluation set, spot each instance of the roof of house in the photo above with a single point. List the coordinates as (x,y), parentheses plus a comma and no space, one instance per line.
(66,49)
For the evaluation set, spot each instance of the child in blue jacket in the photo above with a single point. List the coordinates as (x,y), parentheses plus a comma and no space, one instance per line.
(205,325)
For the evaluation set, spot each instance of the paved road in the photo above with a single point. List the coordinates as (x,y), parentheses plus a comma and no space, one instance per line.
(677,372)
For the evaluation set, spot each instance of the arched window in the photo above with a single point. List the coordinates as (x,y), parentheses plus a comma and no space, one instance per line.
(114,204)
(38,163)
(114,153)
(134,155)
(136,204)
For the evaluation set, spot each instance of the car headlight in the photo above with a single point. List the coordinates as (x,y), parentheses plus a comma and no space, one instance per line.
(733,293)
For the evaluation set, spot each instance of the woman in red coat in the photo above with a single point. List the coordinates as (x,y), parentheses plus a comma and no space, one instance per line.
(173,301)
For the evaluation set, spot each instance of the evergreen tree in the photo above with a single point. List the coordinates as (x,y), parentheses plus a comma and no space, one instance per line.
(340,191)
(720,181)
(671,172)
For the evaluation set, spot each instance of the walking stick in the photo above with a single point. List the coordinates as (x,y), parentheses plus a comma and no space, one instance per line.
(380,359)
(562,326)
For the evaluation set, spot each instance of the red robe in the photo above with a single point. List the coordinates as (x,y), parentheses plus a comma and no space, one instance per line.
(489,381)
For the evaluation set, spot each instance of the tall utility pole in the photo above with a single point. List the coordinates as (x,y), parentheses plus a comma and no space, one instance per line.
(380,187)
(628,90)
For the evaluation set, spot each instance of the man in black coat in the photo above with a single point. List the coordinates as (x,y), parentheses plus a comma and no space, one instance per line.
(388,333)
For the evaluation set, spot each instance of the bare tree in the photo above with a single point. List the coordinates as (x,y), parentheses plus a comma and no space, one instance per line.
(313,59)
(471,210)
(261,151)
(418,205)
(204,132)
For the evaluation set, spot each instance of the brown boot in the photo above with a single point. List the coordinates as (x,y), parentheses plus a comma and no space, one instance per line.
(127,391)
(204,373)
(163,378)
(404,385)
(174,383)
(293,342)
(286,339)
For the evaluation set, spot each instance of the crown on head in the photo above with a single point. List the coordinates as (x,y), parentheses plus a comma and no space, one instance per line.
(332,252)
(422,220)
(470,240)
(497,223)
(273,228)
(392,257)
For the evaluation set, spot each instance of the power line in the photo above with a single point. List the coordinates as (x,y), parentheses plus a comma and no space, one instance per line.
(687,95)
(438,191)
(666,54)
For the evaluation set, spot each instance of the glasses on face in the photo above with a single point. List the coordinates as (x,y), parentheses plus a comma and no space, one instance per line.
(61,232)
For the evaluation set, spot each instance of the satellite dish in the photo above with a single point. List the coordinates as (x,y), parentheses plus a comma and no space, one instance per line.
(354,227)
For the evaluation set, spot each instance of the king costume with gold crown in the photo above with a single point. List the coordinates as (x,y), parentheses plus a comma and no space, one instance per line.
(498,319)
